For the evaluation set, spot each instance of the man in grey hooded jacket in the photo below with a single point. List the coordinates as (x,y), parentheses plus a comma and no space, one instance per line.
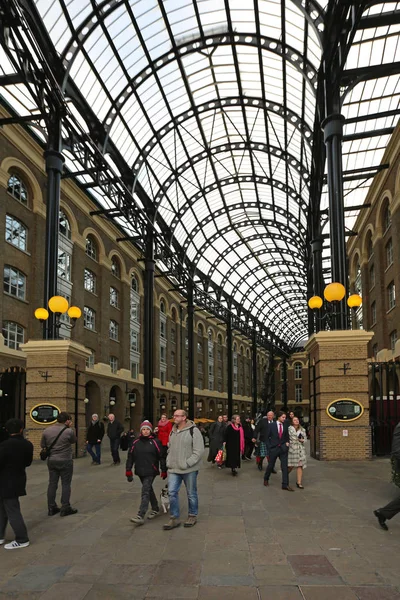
(185,453)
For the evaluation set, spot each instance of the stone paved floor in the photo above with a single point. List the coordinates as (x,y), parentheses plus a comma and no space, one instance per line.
(250,543)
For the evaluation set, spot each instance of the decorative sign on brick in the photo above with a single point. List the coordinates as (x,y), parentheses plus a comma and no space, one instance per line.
(345,409)
(44,414)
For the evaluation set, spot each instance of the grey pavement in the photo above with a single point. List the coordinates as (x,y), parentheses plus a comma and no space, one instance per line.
(252,542)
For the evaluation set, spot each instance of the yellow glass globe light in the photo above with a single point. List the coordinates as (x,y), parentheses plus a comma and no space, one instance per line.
(41,314)
(315,302)
(354,301)
(334,292)
(74,312)
(58,304)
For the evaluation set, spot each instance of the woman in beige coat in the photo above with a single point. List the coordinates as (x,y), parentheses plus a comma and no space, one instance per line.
(297,458)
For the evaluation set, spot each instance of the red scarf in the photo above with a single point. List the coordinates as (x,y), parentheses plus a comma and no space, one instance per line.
(235,427)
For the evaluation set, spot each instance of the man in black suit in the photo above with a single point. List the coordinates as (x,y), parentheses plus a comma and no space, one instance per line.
(16,454)
(261,431)
(390,510)
(277,440)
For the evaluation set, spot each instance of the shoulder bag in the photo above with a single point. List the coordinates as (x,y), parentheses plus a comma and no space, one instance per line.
(45,452)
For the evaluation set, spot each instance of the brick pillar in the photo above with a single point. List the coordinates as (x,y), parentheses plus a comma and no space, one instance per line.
(63,362)
(328,351)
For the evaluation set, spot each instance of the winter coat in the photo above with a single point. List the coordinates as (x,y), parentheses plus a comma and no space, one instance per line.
(297,456)
(95,432)
(163,433)
(185,449)
(62,449)
(261,429)
(248,430)
(16,453)
(114,430)
(216,433)
(233,454)
(147,455)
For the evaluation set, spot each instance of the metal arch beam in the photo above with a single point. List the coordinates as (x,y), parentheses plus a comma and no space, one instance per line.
(242,179)
(241,223)
(381,20)
(272,262)
(304,67)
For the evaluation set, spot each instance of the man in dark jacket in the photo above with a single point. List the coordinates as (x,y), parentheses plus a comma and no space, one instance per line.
(16,454)
(277,440)
(114,430)
(146,454)
(393,508)
(94,436)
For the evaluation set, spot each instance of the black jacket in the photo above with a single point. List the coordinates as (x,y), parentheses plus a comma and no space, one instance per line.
(247,430)
(262,429)
(147,455)
(95,432)
(114,430)
(273,441)
(16,454)
(396,447)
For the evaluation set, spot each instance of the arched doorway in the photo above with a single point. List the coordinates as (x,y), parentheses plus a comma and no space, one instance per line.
(92,401)
(12,394)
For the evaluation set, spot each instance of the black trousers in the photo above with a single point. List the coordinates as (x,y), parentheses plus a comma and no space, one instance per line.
(248,448)
(391,509)
(148,495)
(10,512)
(282,454)
(114,445)
(59,469)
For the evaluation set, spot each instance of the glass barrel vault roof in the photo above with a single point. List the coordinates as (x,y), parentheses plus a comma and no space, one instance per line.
(211,104)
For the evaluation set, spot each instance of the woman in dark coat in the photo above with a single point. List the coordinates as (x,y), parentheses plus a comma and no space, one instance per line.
(234,444)
(217,436)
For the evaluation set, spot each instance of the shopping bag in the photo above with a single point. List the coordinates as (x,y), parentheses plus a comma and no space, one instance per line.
(219,459)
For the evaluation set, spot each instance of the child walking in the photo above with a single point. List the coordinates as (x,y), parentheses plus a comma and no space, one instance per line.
(147,455)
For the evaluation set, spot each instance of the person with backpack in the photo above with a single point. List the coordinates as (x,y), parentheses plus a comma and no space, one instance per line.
(147,455)
(185,453)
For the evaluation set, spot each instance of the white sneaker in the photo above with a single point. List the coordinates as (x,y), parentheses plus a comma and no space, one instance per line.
(2,542)
(14,545)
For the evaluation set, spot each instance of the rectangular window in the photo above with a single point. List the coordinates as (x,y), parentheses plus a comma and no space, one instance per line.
(391,295)
(163,327)
(371,277)
(90,360)
(134,369)
(134,308)
(211,383)
(173,358)
(393,340)
(172,337)
(64,265)
(389,253)
(373,313)
(163,377)
(14,282)
(114,297)
(13,334)
(298,392)
(200,384)
(90,281)
(16,233)
(219,355)
(134,341)
(200,366)
(113,330)
(114,364)
(89,318)
(199,347)
(235,387)
(298,367)
(163,354)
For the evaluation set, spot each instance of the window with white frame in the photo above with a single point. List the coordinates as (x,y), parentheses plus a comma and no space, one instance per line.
(163,327)
(134,307)
(113,330)
(393,340)
(115,267)
(90,281)
(172,336)
(173,358)
(358,281)
(13,334)
(91,248)
(298,392)
(64,265)
(298,370)
(387,219)
(391,290)
(89,318)
(114,297)
(134,369)
(373,313)
(14,282)
(64,226)
(163,377)
(199,366)
(114,364)
(134,340)
(17,188)
(90,359)
(134,284)
(163,354)
(389,253)
(16,233)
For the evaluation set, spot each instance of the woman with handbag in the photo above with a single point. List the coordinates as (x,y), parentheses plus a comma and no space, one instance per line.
(217,435)
(234,444)
(297,458)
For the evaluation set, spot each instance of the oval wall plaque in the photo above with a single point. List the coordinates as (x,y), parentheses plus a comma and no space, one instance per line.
(345,409)
(44,414)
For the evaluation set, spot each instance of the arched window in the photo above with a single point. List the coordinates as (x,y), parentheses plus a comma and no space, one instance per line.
(13,334)
(235,347)
(370,247)
(162,307)
(248,353)
(358,281)
(387,218)
(91,248)
(134,284)
(173,315)
(17,188)
(90,281)
(200,330)
(64,226)
(16,233)
(298,369)
(210,335)
(115,267)
(219,339)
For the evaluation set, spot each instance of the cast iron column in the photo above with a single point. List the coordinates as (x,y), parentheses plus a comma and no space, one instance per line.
(54,167)
(284,386)
(316,247)
(148,334)
(332,127)
(229,364)
(254,367)
(191,353)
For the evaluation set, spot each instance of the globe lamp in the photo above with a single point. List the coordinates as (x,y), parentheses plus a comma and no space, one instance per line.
(41,314)
(354,301)
(315,302)
(334,292)
(58,304)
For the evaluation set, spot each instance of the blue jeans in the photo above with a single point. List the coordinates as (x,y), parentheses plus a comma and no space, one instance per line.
(174,484)
(97,446)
